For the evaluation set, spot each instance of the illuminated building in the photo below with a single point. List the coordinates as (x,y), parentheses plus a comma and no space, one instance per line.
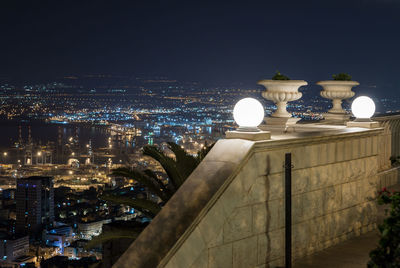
(35,203)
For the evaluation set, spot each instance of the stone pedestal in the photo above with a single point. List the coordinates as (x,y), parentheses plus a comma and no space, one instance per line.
(247,135)
(280,121)
(278,125)
(339,118)
(363,124)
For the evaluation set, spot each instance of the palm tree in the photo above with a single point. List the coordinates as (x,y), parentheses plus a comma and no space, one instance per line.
(177,169)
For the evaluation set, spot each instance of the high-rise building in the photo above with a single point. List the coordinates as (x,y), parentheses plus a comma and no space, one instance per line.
(13,248)
(35,204)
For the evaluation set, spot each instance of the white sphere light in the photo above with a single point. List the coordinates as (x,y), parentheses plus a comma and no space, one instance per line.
(363,107)
(248,114)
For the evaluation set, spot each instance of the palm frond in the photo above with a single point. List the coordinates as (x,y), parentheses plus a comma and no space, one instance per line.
(167,191)
(201,154)
(154,185)
(167,163)
(148,207)
(185,162)
(177,170)
(114,233)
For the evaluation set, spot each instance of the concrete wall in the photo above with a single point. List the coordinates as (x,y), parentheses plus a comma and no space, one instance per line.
(334,183)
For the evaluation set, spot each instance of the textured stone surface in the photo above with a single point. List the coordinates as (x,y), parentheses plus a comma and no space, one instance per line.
(211,225)
(270,246)
(259,191)
(340,150)
(194,243)
(274,185)
(301,180)
(332,198)
(274,159)
(350,195)
(201,261)
(245,253)
(238,225)
(312,203)
(267,216)
(249,170)
(221,256)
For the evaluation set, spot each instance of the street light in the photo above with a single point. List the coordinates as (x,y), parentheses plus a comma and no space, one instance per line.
(5,153)
(248,114)
(363,108)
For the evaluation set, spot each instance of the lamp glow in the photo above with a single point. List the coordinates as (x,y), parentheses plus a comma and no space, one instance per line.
(248,114)
(363,107)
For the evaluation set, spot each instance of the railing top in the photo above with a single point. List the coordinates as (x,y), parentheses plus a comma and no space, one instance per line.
(387,117)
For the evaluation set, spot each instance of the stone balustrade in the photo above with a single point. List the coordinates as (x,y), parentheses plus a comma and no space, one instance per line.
(391,137)
(230,211)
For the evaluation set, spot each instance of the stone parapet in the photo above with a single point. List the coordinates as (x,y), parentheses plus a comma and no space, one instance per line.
(389,141)
(230,211)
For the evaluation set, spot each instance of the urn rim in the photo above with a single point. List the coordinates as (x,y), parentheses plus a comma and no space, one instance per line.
(282,82)
(337,83)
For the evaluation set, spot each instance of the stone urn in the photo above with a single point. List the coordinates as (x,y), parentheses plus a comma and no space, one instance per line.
(337,91)
(281,92)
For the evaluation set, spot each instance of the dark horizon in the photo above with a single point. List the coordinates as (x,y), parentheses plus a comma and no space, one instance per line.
(208,42)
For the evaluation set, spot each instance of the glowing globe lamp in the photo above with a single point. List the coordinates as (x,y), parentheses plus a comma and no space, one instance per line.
(248,114)
(363,108)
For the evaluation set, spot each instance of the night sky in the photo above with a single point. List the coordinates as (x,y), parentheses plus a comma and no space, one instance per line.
(207,41)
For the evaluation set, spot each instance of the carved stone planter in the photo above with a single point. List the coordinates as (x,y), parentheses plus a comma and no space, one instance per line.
(281,92)
(337,91)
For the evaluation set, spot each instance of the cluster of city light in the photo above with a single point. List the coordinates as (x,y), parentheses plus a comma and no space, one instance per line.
(173,106)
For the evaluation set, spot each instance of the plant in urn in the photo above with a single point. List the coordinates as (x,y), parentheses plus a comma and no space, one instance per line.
(337,90)
(280,89)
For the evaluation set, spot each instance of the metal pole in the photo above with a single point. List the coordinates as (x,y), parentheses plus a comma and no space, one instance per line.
(288,210)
